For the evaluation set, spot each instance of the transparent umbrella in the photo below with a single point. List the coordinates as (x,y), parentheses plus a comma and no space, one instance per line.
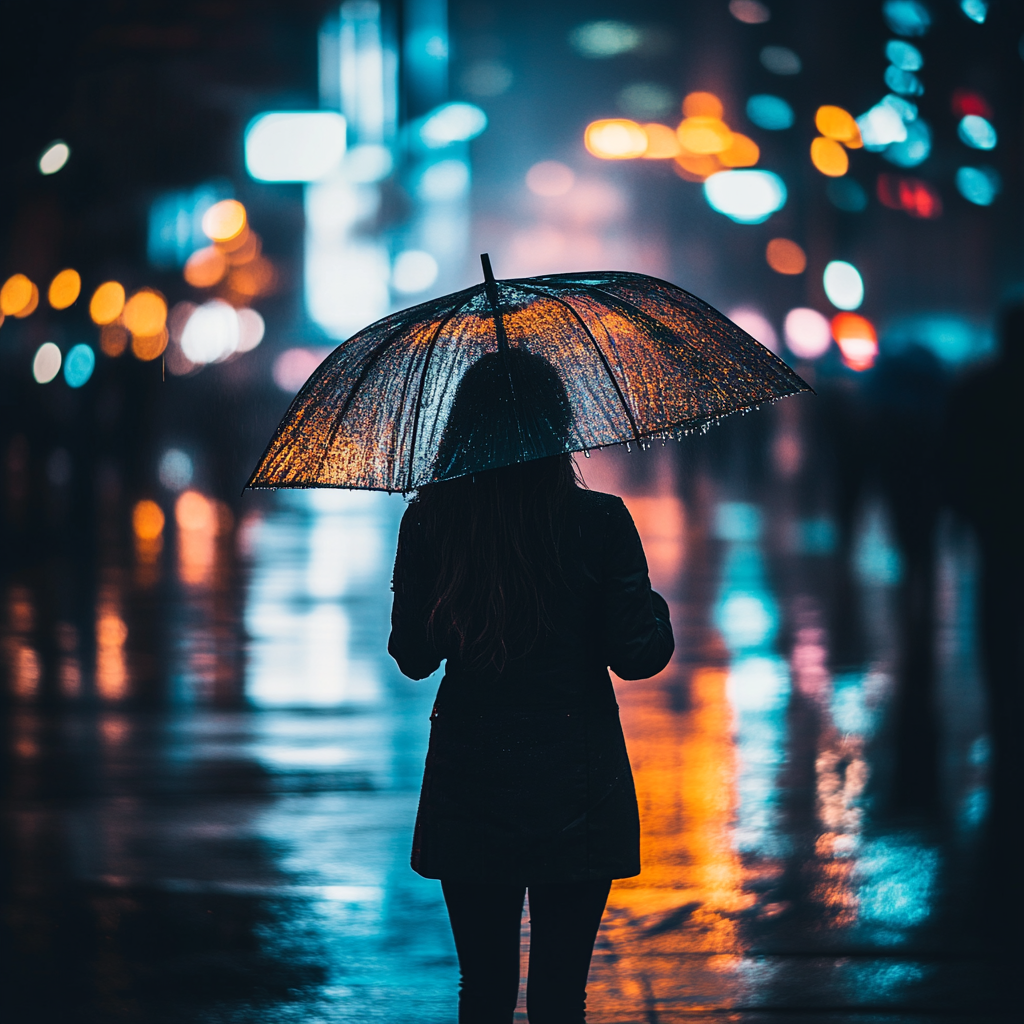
(508,371)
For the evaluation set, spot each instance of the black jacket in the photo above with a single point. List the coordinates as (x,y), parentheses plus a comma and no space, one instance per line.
(527,778)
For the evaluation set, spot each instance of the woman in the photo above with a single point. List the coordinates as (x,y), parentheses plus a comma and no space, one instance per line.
(529,587)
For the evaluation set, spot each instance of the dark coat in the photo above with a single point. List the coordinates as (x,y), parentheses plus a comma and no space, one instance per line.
(527,778)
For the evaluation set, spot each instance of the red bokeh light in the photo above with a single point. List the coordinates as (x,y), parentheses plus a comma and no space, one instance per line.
(912,195)
(967,101)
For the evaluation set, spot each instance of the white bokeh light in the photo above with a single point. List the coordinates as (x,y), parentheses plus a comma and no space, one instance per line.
(807,333)
(211,333)
(843,285)
(294,145)
(414,271)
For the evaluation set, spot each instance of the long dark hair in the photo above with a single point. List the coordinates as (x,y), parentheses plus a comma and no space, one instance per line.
(496,536)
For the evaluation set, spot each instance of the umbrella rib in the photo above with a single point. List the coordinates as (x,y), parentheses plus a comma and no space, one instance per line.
(604,359)
(423,379)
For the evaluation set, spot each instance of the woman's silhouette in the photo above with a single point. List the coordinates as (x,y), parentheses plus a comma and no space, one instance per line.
(529,587)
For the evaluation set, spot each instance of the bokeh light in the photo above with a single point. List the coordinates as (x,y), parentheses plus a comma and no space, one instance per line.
(175,469)
(257,277)
(414,271)
(904,55)
(54,157)
(750,12)
(977,132)
(881,126)
(702,104)
(662,142)
(847,195)
(224,220)
(906,17)
(978,185)
(905,83)
(911,195)
(211,333)
(79,364)
(147,347)
(784,256)
(550,179)
(696,168)
(304,145)
(145,313)
(646,99)
(741,152)
(194,512)
(447,180)
(857,340)
(808,334)
(205,267)
(147,520)
(46,364)
(839,124)
(615,139)
(703,135)
(601,39)
(16,296)
(756,324)
(747,197)
(780,60)
(64,289)
(829,157)
(107,302)
(293,367)
(976,10)
(113,339)
(968,101)
(843,285)
(453,122)
(772,113)
(251,329)
(914,149)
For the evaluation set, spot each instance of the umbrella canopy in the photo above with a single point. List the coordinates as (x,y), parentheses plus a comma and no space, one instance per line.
(509,371)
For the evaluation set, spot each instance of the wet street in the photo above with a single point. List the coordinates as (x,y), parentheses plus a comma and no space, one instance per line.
(223,834)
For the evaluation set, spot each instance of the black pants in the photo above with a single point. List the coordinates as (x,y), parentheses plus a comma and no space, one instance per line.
(563,926)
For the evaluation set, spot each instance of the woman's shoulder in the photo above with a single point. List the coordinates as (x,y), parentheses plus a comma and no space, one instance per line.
(598,506)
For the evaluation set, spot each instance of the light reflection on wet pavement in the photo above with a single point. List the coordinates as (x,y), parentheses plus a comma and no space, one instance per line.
(240,852)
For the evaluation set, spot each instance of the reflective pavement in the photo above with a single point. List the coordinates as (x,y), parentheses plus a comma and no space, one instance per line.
(222,834)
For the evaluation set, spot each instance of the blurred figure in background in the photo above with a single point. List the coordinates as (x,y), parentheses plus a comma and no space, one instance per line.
(985,438)
(905,398)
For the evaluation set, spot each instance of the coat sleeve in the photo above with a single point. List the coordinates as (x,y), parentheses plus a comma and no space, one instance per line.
(637,628)
(410,643)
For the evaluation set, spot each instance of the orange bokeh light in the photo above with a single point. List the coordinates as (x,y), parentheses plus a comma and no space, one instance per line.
(107,302)
(857,340)
(248,249)
(702,104)
(696,168)
(256,278)
(703,135)
(147,520)
(836,123)
(113,339)
(615,139)
(829,157)
(224,220)
(147,347)
(785,256)
(205,267)
(16,296)
(662,143)
(64,289)
(145,313)
(741,152)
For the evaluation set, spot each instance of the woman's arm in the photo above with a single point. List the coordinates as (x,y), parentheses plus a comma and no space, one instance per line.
(637,629)
(410,644)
